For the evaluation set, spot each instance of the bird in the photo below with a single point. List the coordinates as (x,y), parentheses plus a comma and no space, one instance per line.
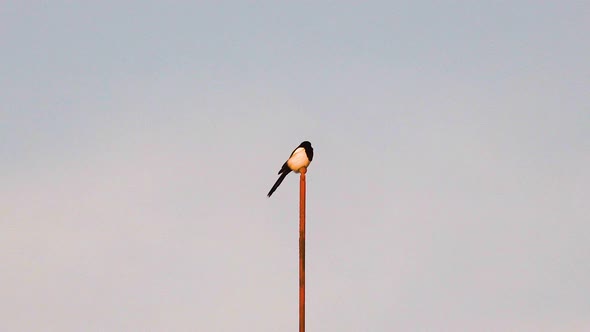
(300,157)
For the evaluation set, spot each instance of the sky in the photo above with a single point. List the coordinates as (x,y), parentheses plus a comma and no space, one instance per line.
(448,189)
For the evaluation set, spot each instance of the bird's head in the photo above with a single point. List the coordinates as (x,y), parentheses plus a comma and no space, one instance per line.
(305,144)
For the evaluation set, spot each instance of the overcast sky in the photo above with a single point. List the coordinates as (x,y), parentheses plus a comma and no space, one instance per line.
(449,189)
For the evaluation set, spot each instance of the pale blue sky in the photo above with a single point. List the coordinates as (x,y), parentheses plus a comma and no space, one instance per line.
(448,191)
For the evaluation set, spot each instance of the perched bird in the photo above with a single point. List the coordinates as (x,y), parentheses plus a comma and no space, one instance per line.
(300,157)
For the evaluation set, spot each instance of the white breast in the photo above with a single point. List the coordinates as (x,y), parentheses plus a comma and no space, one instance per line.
(298,160)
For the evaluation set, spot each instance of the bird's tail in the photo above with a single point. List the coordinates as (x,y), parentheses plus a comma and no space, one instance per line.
(280,179)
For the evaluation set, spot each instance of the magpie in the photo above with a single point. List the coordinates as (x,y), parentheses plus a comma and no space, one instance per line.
(300,157)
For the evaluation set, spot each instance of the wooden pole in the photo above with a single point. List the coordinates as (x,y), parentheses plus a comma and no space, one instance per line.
(302,250)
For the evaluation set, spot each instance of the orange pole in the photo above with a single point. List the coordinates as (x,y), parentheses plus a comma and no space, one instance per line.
(302,250)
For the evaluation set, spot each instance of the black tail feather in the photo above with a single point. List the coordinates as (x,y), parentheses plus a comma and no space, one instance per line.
(280,179)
